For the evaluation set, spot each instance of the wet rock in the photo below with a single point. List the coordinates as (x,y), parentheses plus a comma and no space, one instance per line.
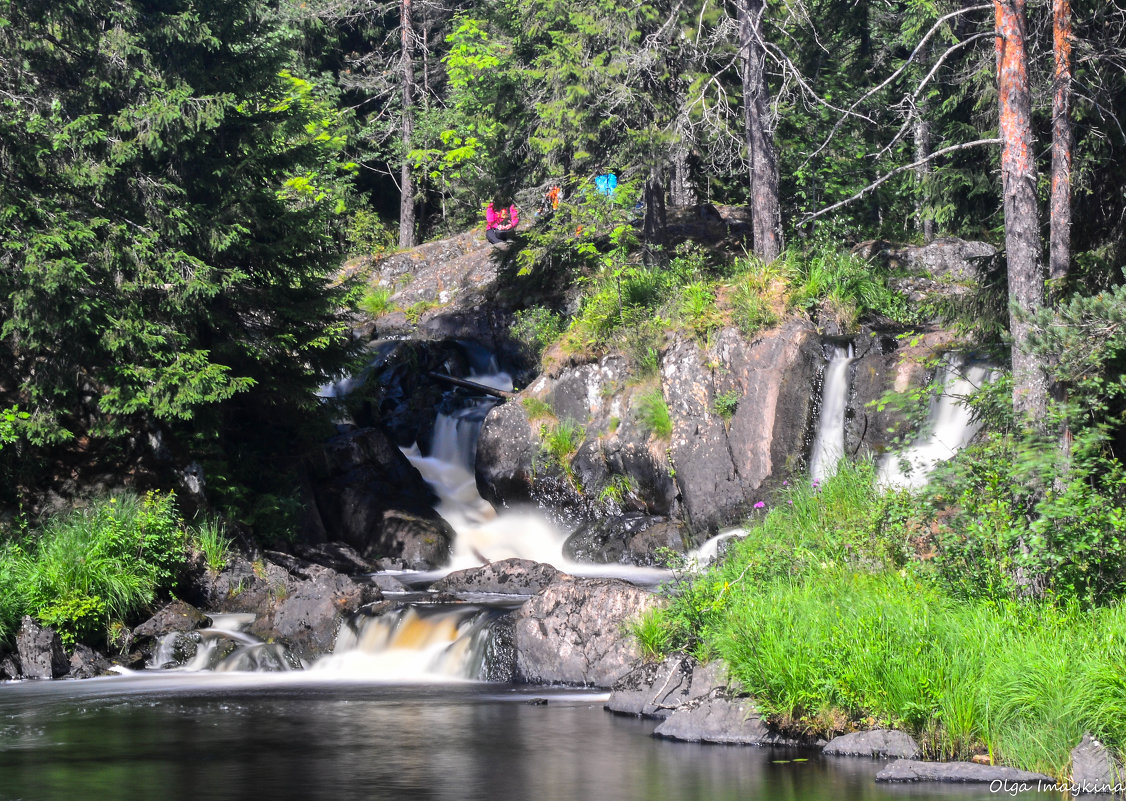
(9,665)
(369,496)
(338,556)
(176,616)
(909,770)
(306,620)
(421,542)
(86,663)
(500,652)
(241,586)
(574,631)
(174,650)
(40,651)
(1094,770)
(506,577)
(656,689)
(883,743)
(506,453)
(387,583)
(634,538)
(733,721)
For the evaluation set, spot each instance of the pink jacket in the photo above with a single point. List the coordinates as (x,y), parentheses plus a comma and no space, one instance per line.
(494,218)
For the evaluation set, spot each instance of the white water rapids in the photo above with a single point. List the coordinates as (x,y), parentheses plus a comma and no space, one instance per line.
(829,445)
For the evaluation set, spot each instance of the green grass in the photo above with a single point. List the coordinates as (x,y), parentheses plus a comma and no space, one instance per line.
(537,409)
(376,302)
(653,413)
(562,440)
(93,566)
(211,541)
(826,618)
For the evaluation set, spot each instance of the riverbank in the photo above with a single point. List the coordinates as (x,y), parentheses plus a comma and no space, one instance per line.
(834,621)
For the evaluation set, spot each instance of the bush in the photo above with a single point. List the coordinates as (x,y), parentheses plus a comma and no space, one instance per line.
(536,328)
(376,301)
(94,566)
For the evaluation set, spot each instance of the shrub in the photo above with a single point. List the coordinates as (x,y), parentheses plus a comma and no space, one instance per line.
(536,328)
(726,403)
(654,413)
(211,541)
(94,565)
(376,301)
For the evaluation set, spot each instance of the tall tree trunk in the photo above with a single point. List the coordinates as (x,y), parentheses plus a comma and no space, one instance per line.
(681,192)
(924,219)
(406,75)
(654,225)
(1059,256)
(766,217)
(1022,230)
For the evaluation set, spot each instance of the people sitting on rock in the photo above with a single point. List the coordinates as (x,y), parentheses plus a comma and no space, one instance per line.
(550,202)
(500,222)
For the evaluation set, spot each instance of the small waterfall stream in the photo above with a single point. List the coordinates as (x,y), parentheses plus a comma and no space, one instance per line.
(949,428)
(829,444)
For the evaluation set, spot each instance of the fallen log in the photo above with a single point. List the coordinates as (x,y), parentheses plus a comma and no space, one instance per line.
(473,385)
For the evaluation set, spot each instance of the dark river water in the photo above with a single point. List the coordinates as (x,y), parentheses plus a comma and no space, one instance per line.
(224,736)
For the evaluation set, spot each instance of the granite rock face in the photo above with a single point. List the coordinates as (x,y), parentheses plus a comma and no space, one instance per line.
(656,690)
(40,651)
(1094,770)
(505,577)
(573,632)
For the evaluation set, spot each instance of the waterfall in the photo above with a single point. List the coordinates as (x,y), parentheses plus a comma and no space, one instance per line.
(949,428)
(829,444)
(413,644)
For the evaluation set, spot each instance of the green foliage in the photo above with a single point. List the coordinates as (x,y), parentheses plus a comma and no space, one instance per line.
(367,234)
(826,618)
(561,441)
(653,413)
(536,328)
(618,488)
(843,286)
(652,634)
(210,540)
(93,566)
(376,301)
(726,403)
(9,425)
(536,409)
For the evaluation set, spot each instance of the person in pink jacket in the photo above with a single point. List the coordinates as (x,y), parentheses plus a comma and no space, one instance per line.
(500,223)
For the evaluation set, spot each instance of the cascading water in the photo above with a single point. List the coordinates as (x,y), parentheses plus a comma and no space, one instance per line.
(950,426)
(828,445)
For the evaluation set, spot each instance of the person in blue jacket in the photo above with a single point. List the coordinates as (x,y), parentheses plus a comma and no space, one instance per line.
(605,183)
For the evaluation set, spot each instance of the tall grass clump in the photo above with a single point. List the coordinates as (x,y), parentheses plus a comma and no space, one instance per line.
(94,566)
(845,286)
(210,539)
(826,618)
(376,301)
(653,412)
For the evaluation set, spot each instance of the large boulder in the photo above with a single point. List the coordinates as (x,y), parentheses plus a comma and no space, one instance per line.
(574,631)
(40,651)
(86,663)
(657,689)
(910,770)
(177,616)
(718,719)
(633,538)
(241,586)
(306,621)
(367,494)
(505,577)
(883,743)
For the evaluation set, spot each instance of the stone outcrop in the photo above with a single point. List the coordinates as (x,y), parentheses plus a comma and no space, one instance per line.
(86,663)
(881,743)
(657,689)
(1094,770)
(177,616)
(365,493)
(711,470)
(717,719)
(505,577)
(40,651)
(909,770)
(574,632)
(633,538)
(948,266)
(306,621)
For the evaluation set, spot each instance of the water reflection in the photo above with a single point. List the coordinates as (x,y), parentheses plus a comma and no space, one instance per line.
(143,738)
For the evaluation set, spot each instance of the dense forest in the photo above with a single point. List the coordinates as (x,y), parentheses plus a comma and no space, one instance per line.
(182,181)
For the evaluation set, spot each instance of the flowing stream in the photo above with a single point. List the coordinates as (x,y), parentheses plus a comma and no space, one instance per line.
(949,427)
(829,444)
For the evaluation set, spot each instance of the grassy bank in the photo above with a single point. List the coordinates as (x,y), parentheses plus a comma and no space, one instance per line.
(90,572)
(832,621)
